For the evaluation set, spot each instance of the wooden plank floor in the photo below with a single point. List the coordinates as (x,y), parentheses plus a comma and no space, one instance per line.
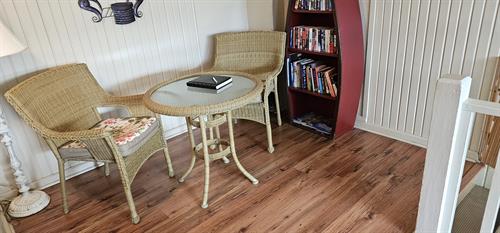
(360,182)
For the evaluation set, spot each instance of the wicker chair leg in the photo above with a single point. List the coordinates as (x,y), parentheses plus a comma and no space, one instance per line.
(233,150)
(171,172)
(193,154)
(270,146)
(277,102)
(106,168)
(191,166)
(206,159)
(130,200)
(62,180)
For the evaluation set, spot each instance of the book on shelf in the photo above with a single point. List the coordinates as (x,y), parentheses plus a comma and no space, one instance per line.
(315,5)
(291,58)
(314,76)
(213,82)
(315,122)
(315,39)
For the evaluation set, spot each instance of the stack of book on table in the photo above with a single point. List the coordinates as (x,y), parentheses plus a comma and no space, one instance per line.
(314,76)
(210,83)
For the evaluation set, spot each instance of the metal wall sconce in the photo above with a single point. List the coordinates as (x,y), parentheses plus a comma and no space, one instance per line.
(123,12)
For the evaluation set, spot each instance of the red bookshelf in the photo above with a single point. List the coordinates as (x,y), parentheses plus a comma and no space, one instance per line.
(338,112)
(304,91)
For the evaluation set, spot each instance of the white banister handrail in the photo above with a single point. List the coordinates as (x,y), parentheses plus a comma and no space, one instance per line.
(482,107)
(452,118)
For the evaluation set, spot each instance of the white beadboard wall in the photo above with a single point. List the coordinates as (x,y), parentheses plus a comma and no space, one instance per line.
(173,38)
(409,45)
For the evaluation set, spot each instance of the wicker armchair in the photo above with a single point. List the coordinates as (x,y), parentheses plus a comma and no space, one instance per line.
(258,53)
(62,106)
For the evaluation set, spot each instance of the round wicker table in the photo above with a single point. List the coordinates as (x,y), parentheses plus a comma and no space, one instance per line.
(206,110)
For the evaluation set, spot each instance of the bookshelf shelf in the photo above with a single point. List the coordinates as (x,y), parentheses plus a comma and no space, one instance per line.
(339,113)
(329,136)
(304,91)
(311,12)
(293,50)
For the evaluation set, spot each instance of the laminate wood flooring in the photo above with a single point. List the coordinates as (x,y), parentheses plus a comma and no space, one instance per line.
(360,182)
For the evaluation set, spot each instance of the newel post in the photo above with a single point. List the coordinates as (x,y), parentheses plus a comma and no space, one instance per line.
(448,141)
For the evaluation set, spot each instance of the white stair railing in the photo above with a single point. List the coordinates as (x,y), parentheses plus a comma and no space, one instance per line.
(491,211)
(451,128)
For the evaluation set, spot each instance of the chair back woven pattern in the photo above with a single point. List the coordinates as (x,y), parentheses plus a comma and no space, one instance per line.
(62,98)
(249,52)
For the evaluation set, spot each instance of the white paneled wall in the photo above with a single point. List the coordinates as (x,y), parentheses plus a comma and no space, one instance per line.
(409,45)
(173,38)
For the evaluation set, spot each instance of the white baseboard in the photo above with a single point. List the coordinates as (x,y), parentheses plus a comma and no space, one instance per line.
(173,132)
(472,156)
(7,192)
(488,177)
(481,177)
(390,133)
(71,172)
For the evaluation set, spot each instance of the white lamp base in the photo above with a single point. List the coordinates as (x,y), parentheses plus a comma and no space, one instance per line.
(28,203)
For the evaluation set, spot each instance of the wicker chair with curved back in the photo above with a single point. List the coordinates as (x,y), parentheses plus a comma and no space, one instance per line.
(62,105)
(259,53)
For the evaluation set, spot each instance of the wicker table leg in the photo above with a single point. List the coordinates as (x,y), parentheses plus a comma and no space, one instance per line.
(211,131)
(205,144)
(193,153)
(277,101)
(233,149)
(206,158)
(217,134)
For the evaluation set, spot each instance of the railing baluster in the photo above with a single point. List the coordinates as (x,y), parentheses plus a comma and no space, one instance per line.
(493,203)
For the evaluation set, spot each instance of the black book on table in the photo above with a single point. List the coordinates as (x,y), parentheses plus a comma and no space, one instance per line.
(214,82)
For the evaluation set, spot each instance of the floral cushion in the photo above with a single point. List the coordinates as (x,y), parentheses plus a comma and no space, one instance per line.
(123,130)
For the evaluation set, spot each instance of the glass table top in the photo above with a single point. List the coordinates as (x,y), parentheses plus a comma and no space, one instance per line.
(178,94)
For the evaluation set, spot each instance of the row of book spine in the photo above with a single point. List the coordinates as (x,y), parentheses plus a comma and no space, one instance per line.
(314,5)
(316,39)
(314,76)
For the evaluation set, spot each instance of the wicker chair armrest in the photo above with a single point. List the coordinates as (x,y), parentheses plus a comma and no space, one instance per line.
(269,76)
(277,68)
(99,142)
(134,104)
(89,134)
(272,74)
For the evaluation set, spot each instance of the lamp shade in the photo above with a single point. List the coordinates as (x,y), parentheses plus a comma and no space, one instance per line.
(8,42)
